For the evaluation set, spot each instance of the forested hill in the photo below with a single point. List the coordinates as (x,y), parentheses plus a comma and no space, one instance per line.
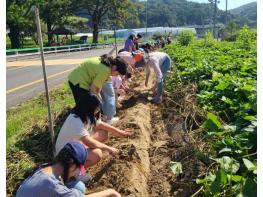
(244,8)
(246,14)
(178,13)
(182,12)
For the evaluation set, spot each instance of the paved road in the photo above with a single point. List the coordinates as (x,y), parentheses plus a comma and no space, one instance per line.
(24,78)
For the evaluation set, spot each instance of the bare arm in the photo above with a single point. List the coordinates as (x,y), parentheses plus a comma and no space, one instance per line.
(105,193)
(115,131)
(148,72)
(92,143)
(131,68)
(95,90)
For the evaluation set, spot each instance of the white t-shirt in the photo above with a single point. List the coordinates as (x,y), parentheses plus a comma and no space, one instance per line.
(156,59)
(73,129)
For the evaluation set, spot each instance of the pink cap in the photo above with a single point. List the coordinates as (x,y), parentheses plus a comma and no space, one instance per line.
(82,170)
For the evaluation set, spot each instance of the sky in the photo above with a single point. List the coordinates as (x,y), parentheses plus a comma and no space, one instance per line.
(231,3)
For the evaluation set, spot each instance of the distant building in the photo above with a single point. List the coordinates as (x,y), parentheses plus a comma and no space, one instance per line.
(124,33)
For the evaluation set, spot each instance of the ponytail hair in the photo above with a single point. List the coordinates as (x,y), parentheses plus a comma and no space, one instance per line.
(148,47)
(118,62)
(106,60)
(66,159)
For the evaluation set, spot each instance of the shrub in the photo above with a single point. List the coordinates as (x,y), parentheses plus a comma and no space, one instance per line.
(185,38)
(247,38)
(209,39)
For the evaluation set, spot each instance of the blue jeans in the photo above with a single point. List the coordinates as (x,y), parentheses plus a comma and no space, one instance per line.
(108,100)
(79,185)
(165,67)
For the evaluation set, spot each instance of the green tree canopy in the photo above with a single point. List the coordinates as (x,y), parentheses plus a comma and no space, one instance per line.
(114,11)
(17,19)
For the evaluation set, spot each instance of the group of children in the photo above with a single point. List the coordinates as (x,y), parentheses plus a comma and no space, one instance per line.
(95,84)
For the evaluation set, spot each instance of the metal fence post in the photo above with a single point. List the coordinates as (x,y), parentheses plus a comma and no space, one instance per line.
(51,128)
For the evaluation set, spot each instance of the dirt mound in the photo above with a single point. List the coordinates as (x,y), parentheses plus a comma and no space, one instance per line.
(143,167)
(128,173)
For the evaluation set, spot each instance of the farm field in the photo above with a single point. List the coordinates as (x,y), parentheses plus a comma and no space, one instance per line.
(201,141)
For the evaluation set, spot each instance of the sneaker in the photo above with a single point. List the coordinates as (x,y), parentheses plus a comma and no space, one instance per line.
(113,120)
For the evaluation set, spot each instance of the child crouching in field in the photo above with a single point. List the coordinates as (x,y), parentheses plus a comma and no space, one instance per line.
(55,178)
(120,87)
(84,124)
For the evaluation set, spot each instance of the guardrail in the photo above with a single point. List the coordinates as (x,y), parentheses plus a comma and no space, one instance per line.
(15,53)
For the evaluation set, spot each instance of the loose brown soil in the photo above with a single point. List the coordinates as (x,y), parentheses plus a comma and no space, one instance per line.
(143,167)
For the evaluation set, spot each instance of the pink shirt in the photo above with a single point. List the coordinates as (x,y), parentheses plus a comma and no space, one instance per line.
(156,59)
(117,81)
(127,57)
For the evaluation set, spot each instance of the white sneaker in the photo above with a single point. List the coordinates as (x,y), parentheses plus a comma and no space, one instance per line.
(113,120)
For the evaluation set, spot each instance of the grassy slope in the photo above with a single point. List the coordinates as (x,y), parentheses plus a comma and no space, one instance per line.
(28,139)
(22,117)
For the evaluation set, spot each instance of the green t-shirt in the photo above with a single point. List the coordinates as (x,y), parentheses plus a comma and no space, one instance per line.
(90,72)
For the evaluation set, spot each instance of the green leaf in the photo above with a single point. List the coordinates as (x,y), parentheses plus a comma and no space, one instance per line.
(225,150)
(247,88)
(250,166)
(254,123)
(222,85)
(228,164)
(208,179)
(250,188)
(230,128)
(250,118)
(221,179)
(237,178)
(212,123)
(216,76)
(220,133)
(176,167)
(201,181)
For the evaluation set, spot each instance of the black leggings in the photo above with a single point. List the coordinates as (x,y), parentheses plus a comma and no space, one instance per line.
(77,91)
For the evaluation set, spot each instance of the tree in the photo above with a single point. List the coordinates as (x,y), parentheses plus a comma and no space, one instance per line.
(78,23)
(98,10)
(17,12)
(55,13)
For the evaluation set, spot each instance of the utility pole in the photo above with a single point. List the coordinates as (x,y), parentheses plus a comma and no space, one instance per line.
(115,42)
(115,26)
(226,12)
(50,118)
(214,18)
(146,18)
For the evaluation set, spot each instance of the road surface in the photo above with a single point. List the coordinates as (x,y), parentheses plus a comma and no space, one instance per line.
(24,78)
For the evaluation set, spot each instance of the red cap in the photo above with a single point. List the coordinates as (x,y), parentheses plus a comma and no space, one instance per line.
(138,57)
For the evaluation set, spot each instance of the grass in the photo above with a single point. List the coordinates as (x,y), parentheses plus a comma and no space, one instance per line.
(28,138)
